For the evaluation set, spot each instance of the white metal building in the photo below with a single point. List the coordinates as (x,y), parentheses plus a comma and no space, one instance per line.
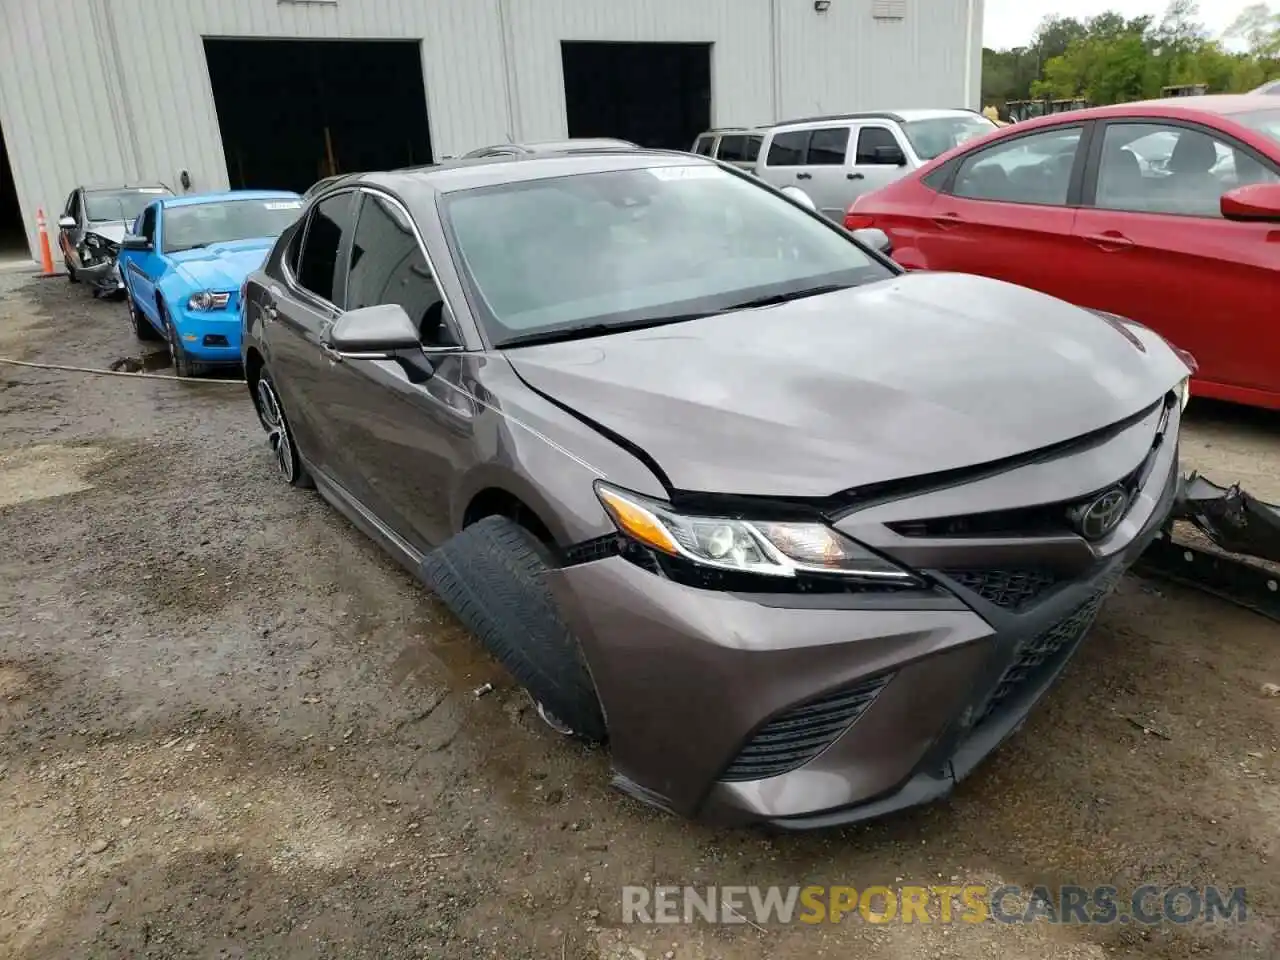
(114,91)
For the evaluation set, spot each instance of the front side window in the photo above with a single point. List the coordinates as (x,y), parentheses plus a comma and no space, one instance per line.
(828,146)
(149,223)
(191,225)
(318,259)
(102,205)
(653,244)
(933,137)
(788,149)
(1031,169)
(1160,168)
(871,140)
(388,266)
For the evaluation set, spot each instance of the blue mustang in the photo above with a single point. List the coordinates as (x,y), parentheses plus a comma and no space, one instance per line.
(183,265)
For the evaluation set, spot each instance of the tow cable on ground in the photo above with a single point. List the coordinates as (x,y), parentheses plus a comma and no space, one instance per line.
(118,373)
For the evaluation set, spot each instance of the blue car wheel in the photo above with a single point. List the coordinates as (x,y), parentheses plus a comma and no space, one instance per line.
(142,328)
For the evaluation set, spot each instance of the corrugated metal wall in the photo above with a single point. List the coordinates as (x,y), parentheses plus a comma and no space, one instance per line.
(109,90)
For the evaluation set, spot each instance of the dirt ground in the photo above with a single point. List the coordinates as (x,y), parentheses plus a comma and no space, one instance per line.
(230,727)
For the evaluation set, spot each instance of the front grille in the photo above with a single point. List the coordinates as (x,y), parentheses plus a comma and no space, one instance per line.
(1010,589)
(792,739)
(1041,652)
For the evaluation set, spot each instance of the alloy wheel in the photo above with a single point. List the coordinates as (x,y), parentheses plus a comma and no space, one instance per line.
(277,429)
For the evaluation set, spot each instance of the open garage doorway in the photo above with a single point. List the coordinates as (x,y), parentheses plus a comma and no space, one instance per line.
(13,233)
(653,94)
(294,111)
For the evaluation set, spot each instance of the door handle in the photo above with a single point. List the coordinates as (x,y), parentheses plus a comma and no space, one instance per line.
(1110,242)
(948,220)
(855,176)
(804,176)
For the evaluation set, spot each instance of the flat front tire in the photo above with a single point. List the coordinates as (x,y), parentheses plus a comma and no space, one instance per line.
(492,576)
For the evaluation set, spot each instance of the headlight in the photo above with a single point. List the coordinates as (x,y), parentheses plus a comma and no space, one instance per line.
(769,547)
(1184,392)
(208,300)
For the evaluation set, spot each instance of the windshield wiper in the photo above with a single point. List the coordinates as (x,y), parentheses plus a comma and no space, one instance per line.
(777,298)
(194,246)
(595,330)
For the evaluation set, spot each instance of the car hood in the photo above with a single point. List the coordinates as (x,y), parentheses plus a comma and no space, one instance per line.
(922,373)
(222,266)
(113,230)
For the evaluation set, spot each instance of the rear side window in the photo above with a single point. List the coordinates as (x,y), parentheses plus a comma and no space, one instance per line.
(1032,169)
(702,145)
(828,146)
(788,149)
(318,260)
(733,147)
(388,266)
(871,139)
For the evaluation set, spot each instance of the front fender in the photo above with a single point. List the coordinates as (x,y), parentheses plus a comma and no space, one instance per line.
(546,457)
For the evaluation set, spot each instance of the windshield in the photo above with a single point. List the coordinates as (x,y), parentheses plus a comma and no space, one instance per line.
(200,224)
(932,138)
(631,246)
(1266,122)
(100,205)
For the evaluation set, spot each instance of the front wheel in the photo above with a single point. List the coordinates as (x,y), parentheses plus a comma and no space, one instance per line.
(279,433)
(142,328)
(71,271)
(182,364)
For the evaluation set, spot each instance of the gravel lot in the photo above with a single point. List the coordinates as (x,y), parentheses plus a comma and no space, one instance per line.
(229,726)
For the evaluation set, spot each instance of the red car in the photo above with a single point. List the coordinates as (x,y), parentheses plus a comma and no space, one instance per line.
(1166,212)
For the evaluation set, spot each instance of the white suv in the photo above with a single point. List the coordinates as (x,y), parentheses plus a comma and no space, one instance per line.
(837,159)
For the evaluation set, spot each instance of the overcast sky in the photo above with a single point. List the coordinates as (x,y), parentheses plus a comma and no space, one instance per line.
(1010,23)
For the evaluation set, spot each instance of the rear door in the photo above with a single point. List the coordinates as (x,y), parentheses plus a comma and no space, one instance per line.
(1150,244)
(297,312)
(782,163)
(1008,211)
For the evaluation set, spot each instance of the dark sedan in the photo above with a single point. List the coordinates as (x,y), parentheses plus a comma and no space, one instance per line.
(805,537)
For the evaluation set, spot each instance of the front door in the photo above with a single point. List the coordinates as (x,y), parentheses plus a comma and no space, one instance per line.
(879,158)
(1151,245)
(141,268)
(402,426)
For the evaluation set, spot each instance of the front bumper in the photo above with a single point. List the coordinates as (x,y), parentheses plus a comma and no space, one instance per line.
(848,706)
(211,337)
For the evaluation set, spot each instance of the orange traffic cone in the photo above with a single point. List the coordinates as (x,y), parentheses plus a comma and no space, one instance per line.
(46,253)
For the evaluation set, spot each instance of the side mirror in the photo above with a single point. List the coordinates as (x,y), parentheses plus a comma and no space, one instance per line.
(797,195)
(874,238)
(891,156)
(135,241)
(373,332)
(67,223)
(1257,202)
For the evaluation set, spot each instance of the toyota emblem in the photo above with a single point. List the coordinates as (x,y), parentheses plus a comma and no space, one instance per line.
(1099,517)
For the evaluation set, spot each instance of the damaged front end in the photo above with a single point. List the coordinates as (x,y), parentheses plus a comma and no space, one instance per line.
(1240,526)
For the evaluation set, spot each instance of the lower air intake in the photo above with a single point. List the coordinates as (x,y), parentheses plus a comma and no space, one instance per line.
(792,739)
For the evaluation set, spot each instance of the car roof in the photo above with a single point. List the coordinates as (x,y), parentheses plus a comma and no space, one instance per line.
(1224,105)
(897,116)
(191,199)
(105,187)
(467,174)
